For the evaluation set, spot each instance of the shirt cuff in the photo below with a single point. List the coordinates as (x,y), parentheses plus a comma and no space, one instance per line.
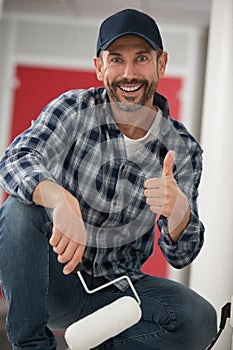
(184,251)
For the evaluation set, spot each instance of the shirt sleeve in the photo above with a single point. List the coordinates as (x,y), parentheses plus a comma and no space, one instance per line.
(187,174)
(37,153)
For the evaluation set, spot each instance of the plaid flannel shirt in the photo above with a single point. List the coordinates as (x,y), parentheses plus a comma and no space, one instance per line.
(76,143)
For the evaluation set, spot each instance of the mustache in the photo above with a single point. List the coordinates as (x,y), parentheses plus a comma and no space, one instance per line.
(129,82)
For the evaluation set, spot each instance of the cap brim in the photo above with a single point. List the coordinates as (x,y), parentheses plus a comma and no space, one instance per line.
(110,41)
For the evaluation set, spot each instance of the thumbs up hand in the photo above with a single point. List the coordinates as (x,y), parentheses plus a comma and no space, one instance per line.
(162,192)
(164,197)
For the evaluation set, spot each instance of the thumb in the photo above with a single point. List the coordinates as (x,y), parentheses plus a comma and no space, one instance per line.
(168,163)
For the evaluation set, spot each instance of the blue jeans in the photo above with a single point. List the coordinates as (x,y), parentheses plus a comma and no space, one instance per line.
(41,298)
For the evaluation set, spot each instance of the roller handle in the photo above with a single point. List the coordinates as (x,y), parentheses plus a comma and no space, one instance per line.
(78,269)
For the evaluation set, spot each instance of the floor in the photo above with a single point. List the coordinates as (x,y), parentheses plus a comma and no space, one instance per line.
(4,343)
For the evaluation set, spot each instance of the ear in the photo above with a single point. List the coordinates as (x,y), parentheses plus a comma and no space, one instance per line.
(98,68)
(162,63)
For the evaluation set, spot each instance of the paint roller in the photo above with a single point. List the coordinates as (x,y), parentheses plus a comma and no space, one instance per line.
(105,323)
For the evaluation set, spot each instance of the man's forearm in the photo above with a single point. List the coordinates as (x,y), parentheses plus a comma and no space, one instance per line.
(69,235)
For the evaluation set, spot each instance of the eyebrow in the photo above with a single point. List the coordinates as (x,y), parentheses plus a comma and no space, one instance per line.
(141,52)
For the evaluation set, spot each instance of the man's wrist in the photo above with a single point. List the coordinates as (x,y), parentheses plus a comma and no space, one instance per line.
(49,194)
(176,230)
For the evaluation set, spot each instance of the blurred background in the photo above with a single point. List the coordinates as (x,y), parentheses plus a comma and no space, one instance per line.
(47,47)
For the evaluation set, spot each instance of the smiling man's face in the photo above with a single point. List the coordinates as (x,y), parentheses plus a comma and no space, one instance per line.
(130,71)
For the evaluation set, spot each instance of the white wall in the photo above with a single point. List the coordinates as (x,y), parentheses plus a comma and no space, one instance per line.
(1,7)
(212,272)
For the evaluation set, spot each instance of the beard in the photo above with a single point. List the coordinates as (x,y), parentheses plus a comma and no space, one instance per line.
(130,105)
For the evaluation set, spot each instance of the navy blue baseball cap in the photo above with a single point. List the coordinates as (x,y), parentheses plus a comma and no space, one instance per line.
(125,22)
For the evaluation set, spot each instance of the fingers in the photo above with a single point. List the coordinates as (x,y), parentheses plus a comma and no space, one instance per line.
(68,251)
(55,238)
(75,260)
(65,249)
(154,183)
(155,195)
(158,201)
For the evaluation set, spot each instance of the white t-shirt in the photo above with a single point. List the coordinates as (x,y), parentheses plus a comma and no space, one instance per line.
(133,145)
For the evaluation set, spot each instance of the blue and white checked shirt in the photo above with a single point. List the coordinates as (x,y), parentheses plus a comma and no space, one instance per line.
(76,143)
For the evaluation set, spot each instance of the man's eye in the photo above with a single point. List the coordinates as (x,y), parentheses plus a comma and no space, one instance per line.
(116,60)
(142,58)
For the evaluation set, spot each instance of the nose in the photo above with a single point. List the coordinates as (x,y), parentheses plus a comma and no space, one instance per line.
(129,70)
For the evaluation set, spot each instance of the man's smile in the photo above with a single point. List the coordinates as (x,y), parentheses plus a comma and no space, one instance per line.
(129,88)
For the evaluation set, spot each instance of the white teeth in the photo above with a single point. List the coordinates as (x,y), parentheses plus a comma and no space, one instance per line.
(129,89)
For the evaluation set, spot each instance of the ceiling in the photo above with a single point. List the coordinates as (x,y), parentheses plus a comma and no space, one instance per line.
(183,12)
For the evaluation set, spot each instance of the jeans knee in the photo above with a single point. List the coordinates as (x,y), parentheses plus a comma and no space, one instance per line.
(209,319)
(15,211)
(18,219)
(23,242)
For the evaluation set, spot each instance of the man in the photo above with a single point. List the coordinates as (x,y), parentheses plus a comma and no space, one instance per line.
(86,182)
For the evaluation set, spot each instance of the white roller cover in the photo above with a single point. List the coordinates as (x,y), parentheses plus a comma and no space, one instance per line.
(103,324)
